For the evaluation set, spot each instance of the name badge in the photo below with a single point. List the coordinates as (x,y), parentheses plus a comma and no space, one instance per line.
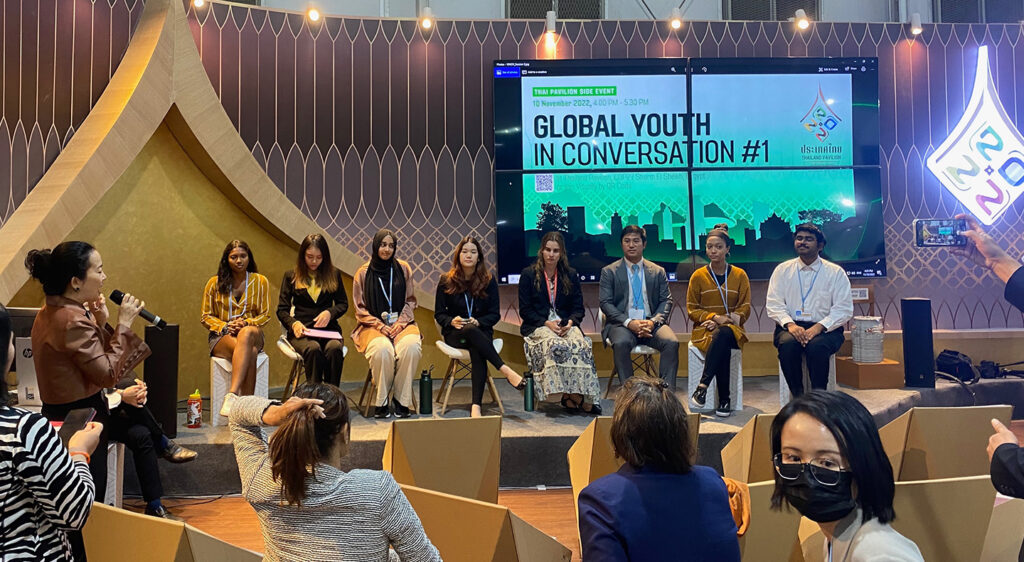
(802,315)
(636,313)
(389,318)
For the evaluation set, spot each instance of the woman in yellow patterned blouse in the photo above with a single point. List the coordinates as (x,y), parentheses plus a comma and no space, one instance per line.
(236,304)
(718,303)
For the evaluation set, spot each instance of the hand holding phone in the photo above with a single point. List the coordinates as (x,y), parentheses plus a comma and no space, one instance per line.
(76,420)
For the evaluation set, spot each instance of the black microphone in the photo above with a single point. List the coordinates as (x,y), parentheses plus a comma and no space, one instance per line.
(117,296)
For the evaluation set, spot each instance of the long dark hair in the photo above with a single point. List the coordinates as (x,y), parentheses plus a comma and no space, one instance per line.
(55,268)
(649,427)
(303,439)
(477,285)
(855,431)
(224,270)
(6,333)
(326,275)
(562,269)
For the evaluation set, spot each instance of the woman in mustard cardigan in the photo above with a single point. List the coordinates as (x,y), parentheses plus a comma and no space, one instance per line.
(718,303)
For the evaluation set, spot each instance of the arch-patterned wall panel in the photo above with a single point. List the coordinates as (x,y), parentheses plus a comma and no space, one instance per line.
(57,57)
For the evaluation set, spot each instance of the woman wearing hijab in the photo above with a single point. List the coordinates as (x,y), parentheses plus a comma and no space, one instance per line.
(385,302)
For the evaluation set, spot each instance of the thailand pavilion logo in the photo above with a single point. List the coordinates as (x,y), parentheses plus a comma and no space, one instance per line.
(981,162)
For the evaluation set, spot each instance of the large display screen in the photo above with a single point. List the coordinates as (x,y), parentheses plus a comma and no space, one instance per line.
(679,145)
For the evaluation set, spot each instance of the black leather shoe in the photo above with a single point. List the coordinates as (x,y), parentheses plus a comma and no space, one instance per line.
(177,454)
(595,410)
(382,412)
(400,410)
(162,513)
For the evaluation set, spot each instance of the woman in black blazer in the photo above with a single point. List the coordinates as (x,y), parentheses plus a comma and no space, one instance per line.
(315,290)
(466,306)
(557,351)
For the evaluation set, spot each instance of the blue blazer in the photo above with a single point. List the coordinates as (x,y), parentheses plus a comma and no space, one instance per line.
(643,514)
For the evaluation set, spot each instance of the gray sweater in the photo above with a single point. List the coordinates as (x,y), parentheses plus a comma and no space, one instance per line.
(355,515)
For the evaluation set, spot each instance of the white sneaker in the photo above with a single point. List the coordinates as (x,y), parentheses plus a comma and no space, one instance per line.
(229,401)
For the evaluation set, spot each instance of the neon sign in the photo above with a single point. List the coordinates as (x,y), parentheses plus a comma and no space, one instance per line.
(981,162)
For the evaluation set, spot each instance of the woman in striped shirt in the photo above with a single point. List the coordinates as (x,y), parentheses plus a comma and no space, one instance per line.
(44,490)
(309,508)
(236,303)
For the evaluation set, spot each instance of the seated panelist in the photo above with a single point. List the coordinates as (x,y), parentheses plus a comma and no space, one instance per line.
(315,291)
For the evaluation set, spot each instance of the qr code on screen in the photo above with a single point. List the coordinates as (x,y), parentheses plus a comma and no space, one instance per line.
(544,183)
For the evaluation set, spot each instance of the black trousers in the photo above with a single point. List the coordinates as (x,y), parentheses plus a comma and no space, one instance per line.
(817,353)
(321,358)
(716,360)
(480,345)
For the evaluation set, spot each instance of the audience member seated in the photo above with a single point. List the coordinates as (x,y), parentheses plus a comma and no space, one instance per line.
(718,303)
(466,306)
(551,308)
(636,302)
(809,299)
(831,467)
(385,302)
(309,509)
(45,490)
(658,506)
(236,304)
(313,296)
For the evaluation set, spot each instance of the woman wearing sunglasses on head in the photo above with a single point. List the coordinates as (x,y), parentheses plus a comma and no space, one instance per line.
(830,466)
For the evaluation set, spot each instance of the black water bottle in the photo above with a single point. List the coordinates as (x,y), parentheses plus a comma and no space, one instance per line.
(426,391)
(528,398)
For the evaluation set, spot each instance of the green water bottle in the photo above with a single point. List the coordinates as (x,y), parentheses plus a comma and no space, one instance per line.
(528,396)
(426,391)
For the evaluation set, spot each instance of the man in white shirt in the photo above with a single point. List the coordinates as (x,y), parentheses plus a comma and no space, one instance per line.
(636,302)
(809,299)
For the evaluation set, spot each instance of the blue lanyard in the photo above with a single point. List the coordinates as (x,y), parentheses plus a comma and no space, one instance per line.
(725,293)
(390,291)
(469,304)
(803,295)
(638,296)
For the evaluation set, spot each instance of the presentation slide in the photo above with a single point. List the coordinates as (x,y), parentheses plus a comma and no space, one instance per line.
(604,122)
(778,120)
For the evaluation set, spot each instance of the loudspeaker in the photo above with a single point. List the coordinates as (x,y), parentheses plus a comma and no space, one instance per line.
(918,351)
(161,370)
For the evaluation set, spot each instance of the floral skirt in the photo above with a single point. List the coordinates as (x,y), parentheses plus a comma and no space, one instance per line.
(562,365)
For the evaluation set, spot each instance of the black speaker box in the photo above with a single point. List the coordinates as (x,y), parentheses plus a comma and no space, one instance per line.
(161,370)
(918,349)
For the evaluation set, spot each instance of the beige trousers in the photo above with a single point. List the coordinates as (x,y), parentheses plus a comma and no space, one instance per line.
(390,373)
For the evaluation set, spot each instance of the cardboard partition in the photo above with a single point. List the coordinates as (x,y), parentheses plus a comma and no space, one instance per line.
(114,535)
(929,443)
(747,457)
(946,518)
(460,456)
(1005,532)
(772,535)
(475,531)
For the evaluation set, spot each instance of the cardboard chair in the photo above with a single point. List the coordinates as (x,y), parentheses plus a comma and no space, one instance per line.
(747,457)
(593,456)
(475,531)
(113,535)
(459,456)
(928,443)
(1005,532)
(772,535)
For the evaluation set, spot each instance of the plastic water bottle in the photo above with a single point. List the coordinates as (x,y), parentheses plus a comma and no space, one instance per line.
(426,391)
(528,397)
(194,417)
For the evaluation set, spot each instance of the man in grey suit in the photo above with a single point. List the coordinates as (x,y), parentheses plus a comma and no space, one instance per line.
(636,303)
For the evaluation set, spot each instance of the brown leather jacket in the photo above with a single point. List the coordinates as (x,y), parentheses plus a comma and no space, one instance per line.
(74,357)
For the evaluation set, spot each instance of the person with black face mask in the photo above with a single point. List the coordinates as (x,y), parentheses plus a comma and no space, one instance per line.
(830,466)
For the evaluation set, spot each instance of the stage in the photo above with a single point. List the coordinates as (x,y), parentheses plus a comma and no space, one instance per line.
(534,444)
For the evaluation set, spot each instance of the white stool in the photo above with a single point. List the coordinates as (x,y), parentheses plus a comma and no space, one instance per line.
(784,386)
(460,365)
(115,474)
(220,382)
(695,368)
